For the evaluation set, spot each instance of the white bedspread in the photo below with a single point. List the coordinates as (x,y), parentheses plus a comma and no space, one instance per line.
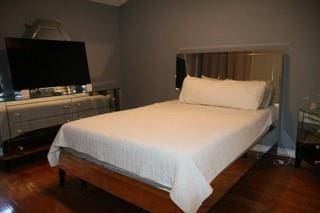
(181,146)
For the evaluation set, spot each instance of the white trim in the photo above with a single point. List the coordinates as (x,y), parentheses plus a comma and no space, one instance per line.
(281,151)
(286,152)
(260,148)
(280,46)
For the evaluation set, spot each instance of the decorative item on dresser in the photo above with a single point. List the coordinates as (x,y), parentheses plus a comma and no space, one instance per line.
(308,138)
(29,126)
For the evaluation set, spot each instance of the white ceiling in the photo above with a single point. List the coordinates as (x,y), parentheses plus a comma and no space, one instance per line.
(116,3)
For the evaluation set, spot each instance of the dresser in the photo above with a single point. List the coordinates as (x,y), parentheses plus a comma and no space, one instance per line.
(29,126)
(308,138)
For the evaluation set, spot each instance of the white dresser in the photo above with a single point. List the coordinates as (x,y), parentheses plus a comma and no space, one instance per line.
(24,123)
(28,115)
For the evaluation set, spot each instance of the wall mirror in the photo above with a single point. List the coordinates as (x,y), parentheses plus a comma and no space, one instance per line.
(241,65)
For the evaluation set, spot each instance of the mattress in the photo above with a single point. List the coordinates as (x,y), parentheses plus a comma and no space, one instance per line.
(180,146)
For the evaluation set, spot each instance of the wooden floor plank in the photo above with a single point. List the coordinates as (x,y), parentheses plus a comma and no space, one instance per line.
(34,187)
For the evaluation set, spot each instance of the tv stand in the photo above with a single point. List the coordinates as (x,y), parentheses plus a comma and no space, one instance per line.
(29,126)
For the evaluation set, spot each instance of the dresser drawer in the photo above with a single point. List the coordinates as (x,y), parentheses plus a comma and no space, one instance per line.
(29,112)
(24,127)
(90,102)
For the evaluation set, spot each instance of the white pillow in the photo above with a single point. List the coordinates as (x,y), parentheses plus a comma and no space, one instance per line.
(228,93)
(267,95)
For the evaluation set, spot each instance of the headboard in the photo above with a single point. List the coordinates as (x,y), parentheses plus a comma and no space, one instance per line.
(237,65)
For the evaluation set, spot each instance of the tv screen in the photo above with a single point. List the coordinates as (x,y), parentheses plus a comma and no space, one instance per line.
(46,63)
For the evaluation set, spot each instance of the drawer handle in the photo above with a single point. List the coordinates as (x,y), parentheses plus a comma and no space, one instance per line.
(79,104)
(17,114)
(20,148)
(317,146)
(66,107)
(19,130)
(317,162)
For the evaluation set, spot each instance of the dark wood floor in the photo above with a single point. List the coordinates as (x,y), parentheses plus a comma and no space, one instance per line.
(270,188)
(265,188)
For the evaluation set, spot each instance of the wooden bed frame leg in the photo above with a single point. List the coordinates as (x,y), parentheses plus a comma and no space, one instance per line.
(62,177)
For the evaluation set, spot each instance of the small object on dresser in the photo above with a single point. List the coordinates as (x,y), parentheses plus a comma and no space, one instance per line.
(25,94)
(308,137)
(88,88)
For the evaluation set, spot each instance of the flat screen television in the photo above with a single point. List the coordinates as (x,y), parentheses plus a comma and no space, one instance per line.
(46,63)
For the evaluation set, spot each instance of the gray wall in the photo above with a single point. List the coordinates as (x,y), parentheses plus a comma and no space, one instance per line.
(152,32)
(96,24)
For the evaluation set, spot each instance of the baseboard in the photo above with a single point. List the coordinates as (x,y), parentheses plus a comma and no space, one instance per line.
(281,151)
(286,152)
(260,148)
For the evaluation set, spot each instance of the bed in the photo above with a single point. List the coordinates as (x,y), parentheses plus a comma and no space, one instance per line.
(178,163)
(164,155)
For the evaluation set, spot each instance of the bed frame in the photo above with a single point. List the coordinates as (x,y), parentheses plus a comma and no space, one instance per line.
(144,195)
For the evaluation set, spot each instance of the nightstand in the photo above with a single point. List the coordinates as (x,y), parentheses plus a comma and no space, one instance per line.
(308,137)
